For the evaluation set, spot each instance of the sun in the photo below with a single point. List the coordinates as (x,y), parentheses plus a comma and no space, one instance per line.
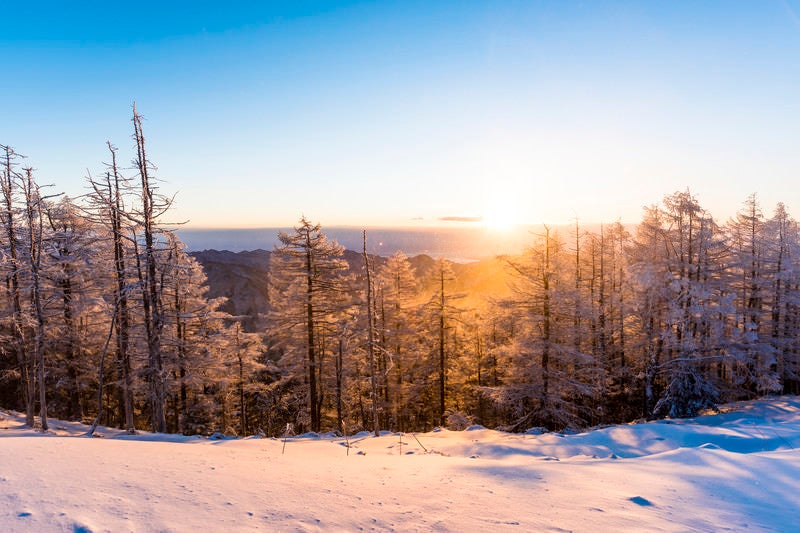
(501,217)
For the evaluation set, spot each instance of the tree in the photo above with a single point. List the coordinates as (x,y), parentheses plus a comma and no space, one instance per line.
(109,210)
(71,256)
(783,255)
(399,322)
(678,265)
(547,381)
(607,290)
(152,207)
(371,344)
(751,282)
(305,275)
(10,186)
(441,316)
(34,220)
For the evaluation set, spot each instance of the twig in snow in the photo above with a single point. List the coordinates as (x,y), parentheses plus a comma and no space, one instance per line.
(418,442)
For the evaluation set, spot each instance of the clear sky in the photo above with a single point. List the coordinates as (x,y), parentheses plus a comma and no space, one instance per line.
(395,113)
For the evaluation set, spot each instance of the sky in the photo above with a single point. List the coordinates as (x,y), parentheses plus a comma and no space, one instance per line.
(407,113)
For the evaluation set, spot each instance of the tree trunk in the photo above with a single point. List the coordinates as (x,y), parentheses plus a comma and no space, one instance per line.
(442,362)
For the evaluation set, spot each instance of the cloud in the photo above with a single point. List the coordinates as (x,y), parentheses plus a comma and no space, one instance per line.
(461,219)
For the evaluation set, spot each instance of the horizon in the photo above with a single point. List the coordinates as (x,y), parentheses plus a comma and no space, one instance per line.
(460,244)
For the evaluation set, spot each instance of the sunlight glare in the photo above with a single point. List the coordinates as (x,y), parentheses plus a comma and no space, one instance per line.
(501,217)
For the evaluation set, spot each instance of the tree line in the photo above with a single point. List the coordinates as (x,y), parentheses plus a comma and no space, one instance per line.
(105,318)
(665,318)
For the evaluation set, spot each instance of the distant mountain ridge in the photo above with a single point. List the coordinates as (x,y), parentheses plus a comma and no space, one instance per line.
(241,278)
(460,244)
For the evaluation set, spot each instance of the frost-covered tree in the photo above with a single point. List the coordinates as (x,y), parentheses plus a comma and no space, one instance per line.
(752,271)
(71,255)
(193,329)
(305,275)
(785,293)
(679,265)
(35,240)
(152,207)
(108,212)
(547,382)
(440,317)
(398,296)
(12,230)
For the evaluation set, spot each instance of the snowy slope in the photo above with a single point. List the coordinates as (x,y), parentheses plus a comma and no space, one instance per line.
(735,471)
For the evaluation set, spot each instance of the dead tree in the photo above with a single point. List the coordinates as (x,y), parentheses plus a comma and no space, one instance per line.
(151,294)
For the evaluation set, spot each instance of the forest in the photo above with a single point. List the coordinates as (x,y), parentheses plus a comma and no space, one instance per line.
(105,318)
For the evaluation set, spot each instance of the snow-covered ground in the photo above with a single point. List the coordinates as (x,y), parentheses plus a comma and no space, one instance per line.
(735,471)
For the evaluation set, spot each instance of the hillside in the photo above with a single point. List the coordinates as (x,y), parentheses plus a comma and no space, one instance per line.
(242,279)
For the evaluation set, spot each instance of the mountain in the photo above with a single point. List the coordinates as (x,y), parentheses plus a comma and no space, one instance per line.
(242,279)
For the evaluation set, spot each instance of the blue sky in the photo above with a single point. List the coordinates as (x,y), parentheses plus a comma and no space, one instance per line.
(393,113)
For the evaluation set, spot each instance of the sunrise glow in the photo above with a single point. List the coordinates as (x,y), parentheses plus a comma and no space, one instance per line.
(501,215)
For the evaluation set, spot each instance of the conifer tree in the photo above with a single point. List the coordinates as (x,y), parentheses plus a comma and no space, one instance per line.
(399,323)
(305,275)
(547,382)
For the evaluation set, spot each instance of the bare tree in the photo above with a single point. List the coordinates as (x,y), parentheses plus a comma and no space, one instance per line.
(151,209)
(108,200)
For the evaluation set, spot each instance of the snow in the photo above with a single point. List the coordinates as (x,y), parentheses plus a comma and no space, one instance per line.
(733,471)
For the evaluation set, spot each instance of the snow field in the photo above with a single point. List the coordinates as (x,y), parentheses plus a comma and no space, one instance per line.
(739,470)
